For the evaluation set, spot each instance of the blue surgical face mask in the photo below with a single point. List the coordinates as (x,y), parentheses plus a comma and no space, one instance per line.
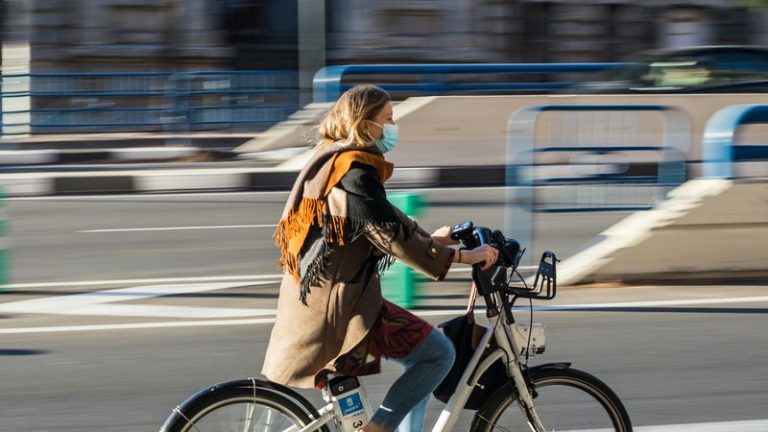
(388,140)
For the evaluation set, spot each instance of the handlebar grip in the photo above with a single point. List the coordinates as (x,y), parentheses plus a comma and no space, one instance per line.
(483,235)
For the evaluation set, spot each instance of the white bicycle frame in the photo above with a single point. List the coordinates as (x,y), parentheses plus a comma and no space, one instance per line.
(507,350)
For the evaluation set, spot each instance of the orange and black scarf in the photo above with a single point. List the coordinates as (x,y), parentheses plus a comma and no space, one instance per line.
(309,225)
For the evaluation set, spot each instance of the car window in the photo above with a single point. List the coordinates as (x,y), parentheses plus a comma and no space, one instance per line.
(684,73)
(699,69)
(734,67)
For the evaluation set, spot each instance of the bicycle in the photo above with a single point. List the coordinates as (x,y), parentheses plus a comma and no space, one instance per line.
(550,397)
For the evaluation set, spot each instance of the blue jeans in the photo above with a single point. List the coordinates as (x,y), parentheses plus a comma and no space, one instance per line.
(425,367)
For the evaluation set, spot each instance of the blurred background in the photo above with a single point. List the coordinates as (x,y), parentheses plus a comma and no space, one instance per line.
(135,65)
(177,35)
(147,148)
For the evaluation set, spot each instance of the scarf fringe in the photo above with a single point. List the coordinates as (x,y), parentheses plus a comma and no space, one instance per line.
(385,263)
(315,272)
(334,230)
(338,230)
(309,212)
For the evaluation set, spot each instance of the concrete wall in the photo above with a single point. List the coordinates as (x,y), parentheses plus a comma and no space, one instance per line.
(725,236)
(454,123)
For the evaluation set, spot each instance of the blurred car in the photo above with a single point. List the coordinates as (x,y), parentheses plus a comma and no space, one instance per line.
(706,69)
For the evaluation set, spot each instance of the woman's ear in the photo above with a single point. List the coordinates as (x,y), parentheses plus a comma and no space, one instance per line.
(366,131)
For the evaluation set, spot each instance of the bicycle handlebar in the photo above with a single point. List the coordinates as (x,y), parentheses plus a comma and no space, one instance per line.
(472,236)
(495,278)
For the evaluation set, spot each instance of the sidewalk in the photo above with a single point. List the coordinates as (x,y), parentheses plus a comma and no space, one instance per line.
(42,160)
(100,141)
(46,172)
(217,176)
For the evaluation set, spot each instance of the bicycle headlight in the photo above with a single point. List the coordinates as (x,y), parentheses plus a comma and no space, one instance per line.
(523,333)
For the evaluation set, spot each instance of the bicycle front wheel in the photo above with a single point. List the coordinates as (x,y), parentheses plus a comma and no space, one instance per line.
(567,400)
(252,406)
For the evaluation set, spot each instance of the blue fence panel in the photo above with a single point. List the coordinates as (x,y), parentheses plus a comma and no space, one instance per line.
(719,151)
(595,168)
(130,101)
(241,99)
(156,101)
(328,81)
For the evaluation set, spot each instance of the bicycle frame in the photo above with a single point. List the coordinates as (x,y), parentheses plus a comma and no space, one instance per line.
(507,350)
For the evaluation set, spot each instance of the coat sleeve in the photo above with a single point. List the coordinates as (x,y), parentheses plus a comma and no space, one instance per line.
(417,250)
(406,241)
(411,223)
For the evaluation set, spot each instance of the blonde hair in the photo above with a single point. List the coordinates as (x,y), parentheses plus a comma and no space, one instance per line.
(344,123)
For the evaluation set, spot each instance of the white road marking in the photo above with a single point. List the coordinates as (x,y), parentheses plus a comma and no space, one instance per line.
(101,302)
(241,278)
(659,303)
(135,326)
(161,311)
(176,228)
(179,310)
(218,194)
(139,196)
(273,278)
(92,303)
(730,426)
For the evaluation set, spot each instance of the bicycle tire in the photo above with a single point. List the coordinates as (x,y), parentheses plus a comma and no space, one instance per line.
(608,414)
(229,406)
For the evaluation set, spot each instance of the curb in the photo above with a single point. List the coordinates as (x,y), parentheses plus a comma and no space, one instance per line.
(22,160)
(225,179)
(55,157)
(4,246)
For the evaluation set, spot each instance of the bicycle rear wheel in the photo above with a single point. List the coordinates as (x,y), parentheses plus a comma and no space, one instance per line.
(242,406)
(567,400)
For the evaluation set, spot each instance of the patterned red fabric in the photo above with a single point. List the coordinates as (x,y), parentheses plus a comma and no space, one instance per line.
(396,334)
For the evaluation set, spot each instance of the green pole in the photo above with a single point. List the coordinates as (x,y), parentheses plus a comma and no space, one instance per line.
(400,283)
(4,247)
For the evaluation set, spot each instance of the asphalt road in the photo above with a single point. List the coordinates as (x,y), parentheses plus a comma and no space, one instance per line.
(177,293)
(153,236)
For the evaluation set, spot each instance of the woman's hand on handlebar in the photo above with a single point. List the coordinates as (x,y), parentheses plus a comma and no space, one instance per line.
(485,254)
(443,235)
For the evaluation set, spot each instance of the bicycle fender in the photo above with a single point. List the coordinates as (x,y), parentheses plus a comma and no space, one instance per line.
(241,383)
(550,366)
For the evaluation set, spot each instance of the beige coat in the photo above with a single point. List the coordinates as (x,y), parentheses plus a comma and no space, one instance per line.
(307,339)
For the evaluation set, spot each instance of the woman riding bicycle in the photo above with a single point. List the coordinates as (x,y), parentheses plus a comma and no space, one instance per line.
(336,234)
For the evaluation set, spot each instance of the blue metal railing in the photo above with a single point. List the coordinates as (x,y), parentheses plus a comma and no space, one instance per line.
(328,81)
(719,150)
(120,101)
(591,179)
(152,101)
(670,172)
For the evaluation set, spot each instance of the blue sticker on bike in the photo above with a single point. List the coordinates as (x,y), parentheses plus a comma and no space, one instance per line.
(350,404)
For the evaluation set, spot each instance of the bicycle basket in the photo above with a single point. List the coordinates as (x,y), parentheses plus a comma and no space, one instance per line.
(544,286)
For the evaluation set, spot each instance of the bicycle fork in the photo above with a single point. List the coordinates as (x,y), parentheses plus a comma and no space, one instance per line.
(507,342)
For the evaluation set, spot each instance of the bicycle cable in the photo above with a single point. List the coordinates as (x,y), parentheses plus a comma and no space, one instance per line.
(530,309)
